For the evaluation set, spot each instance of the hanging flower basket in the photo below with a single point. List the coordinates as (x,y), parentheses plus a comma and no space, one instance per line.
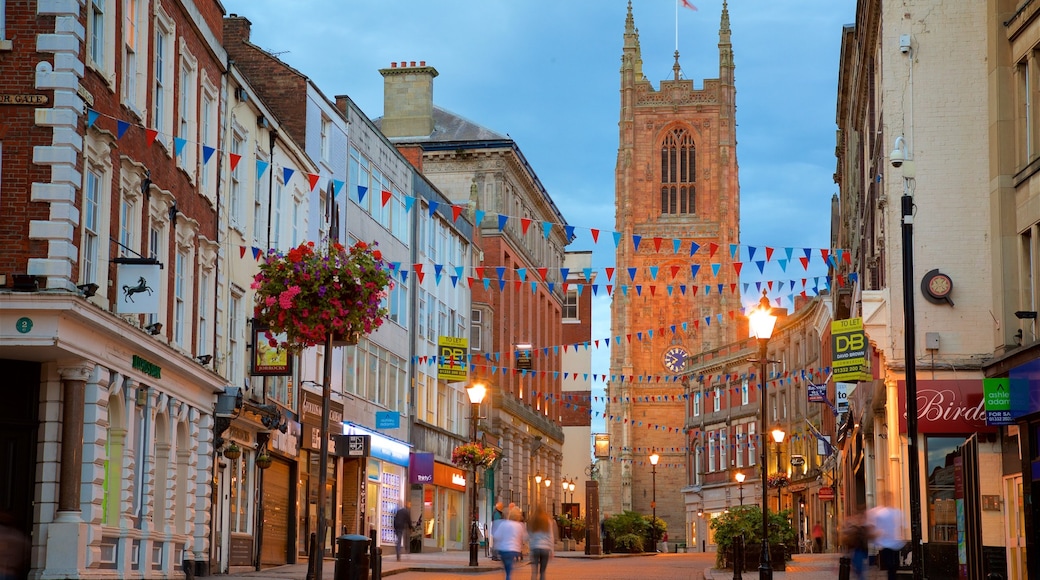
(311,292)
(232,451)
(470,455)
(263,461)
(778,480)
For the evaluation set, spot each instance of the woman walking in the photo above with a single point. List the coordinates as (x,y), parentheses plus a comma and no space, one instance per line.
(509,536)
(543,543)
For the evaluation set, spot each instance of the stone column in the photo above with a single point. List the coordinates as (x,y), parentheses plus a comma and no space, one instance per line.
(73,385)
(66,537)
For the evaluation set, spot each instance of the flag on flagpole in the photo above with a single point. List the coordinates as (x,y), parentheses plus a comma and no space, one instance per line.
(686,4)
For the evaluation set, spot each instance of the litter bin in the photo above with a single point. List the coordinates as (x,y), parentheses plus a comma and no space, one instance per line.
(351,557)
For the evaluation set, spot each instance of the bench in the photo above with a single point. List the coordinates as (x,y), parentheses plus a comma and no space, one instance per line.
(679,546)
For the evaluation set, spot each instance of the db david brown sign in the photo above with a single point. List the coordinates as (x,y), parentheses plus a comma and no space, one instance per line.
(947,407)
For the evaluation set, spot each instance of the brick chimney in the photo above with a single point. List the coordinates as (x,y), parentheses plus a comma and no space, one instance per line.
(236,29)
(407,99)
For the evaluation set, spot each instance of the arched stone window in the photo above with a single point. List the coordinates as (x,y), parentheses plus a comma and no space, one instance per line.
(678,173)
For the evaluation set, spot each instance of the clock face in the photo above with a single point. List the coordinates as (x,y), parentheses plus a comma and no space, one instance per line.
(675,358)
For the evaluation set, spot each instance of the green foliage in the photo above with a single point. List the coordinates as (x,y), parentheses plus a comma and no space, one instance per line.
(747,521)
(632,531)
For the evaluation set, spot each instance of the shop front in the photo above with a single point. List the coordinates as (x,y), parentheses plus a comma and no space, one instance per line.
(444,509)
(385,482)
(278,498)
(309,474)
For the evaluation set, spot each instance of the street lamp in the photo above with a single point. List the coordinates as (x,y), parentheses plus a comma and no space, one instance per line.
(476,394)
(761,322)
(778,438)
(740,485)
(654,458)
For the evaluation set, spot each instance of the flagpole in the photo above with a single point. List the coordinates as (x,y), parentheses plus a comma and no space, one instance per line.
(677,25)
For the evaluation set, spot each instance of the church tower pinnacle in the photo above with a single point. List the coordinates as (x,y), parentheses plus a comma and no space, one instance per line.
(677,207)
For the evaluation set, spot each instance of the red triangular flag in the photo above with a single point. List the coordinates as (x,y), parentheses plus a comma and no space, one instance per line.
(675,271)
(524,224)
(456,211)
(595,236)
(805,262)
(737,266)
(610,273)
(150,135)
(657,244)
(235,158)
(313,178)
(712,248)
(480,271)
(542,272)
(386,197)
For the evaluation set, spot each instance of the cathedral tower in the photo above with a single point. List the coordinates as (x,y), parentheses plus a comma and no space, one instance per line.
(676,179)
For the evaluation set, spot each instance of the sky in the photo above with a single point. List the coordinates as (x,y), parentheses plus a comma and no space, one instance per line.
(546,73)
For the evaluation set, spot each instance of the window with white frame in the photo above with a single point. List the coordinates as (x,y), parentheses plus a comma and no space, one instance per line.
(716,399)
(187,110)
(134,66)
(723,449)
(101,21)
(127,223)
(326,128)
(259,222)
(752,445)
(236,338)
(202,313)
(155,251)
(744,392)
(90,248)
(240,497)
(712,442)
(739,446)
(422,312)
(294,225)
(697,404)
(235,187)
(570,304)
(397,299)
(180,296)
(208,138)
(276,213)
(3,23)
(162,75)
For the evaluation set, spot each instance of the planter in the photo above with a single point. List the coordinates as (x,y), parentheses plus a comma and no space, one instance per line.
(263,461)
(233,452)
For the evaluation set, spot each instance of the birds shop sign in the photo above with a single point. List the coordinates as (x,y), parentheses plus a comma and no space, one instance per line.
(947,407)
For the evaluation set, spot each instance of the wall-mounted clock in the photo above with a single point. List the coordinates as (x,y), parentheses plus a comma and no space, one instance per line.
(675,358)
(937,287)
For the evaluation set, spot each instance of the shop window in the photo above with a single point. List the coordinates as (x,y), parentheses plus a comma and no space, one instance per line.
(943,454)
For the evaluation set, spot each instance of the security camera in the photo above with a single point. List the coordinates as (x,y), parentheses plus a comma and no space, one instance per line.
(897,157)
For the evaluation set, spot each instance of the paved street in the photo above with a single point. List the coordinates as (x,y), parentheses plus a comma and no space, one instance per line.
(569,566)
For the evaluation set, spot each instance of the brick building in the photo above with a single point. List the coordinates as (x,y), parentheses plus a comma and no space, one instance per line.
(676,178)
(108,167)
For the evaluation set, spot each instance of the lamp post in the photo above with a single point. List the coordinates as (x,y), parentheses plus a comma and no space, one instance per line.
(476,394)
(761,322)
(654,458)
(778,438)
(740,485)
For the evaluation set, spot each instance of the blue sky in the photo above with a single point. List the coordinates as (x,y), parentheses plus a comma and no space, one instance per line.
(545,72)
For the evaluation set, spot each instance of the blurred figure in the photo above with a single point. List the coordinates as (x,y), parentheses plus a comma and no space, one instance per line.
(509,537)
(402,526)
(496,517)
(604,538)
(817,538)
(14,546)
(542,541)
(886,522)
(855,536)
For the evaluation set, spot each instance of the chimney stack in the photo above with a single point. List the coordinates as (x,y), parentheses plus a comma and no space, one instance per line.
(408,99)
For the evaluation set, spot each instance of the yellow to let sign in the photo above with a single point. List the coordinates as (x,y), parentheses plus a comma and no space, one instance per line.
(849,360)
(453,358)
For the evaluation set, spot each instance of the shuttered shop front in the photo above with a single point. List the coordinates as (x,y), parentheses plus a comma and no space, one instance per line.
(276,539)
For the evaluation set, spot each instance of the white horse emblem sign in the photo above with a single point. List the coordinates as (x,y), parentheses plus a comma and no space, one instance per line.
(138,288)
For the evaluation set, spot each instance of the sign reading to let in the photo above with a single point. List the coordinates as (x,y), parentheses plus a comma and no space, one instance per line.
(453,354)
(849,350)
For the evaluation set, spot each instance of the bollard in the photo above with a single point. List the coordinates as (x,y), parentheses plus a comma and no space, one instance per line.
(351,557)
(844,568)
(738,557)
(375,556)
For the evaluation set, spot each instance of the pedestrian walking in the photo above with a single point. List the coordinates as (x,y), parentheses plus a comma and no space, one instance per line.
(604,534)
(510,537)
(854,537)
(542,540)
(496,517)
(886,521)
(402,526)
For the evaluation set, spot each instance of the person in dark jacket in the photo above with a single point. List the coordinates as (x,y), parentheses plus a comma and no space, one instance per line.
(402,526)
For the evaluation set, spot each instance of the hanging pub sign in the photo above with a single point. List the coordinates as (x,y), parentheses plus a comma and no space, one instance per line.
(138,280)
(268,359)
